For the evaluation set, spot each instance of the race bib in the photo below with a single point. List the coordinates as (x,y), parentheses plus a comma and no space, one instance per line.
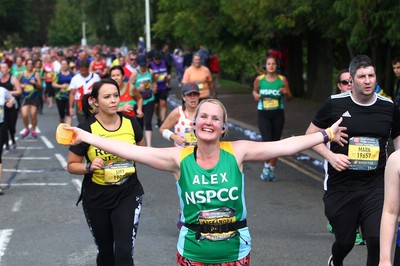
(363,153)
(115,172)
(147,84)
(190,138)
(200,85)
(161,77)
(65,89)
(270,104)
(29,88)
(219,216)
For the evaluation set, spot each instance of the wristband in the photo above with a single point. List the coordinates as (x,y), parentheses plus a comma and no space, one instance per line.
(331,135)
(326,137)
(167,134)
(88,165)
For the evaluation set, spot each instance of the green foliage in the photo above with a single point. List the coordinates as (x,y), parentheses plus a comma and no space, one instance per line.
(19,21)
(368,22)
(66,27)
(240,31)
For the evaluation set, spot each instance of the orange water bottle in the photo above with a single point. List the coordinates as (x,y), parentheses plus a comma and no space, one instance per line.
(64,136)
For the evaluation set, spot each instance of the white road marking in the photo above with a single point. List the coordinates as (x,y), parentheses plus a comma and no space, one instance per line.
(5,236)
(23,171)
(62,160)
(36,184)
(30,148)
(17,205)
(26,158)
(77,183)
(47,142)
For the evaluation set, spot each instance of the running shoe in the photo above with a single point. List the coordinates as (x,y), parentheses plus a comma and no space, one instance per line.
(268,174)
(1,192)
(14,145)
(329,227)
(34,134)
(359,240)
(272,176)
(25,134)
(330,261)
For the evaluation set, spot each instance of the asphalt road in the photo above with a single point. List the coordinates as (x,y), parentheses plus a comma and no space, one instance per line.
(40,224)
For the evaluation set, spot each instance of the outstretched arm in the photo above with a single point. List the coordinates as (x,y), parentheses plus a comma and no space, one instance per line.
(166,159)
(261,151)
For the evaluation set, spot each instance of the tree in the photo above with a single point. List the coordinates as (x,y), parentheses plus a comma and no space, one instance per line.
(65,28)
(371,27)
(24,22)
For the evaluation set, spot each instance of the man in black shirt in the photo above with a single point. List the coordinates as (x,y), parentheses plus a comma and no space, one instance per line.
(354,173)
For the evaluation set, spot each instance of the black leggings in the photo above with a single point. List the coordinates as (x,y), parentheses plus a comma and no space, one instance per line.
(114,231)
(148,111)
(50,90)
(10,122)
(63,109)
(270,124)
(341,252)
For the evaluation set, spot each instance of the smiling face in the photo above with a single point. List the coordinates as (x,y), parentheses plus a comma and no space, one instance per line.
(210,120)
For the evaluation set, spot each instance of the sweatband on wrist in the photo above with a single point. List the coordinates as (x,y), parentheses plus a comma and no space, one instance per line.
(167,134)
(331,134)
(326,137)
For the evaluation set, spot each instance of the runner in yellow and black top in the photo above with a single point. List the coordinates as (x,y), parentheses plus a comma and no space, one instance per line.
(210,182)
(111,192)
(271,90)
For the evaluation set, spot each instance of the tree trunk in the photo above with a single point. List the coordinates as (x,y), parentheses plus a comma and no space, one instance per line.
(382,60)
(294,69)
(319,67)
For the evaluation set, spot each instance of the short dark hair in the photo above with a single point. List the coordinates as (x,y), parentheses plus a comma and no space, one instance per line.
(359,61)
(118,67)
(84,63)
(396,60)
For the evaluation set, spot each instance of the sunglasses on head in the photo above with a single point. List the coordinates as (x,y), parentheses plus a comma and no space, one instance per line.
(345,82)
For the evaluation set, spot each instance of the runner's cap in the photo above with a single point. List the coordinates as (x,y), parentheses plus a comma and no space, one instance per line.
(141,60)
(190,87)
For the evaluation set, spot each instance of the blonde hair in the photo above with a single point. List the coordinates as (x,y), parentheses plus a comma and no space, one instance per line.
(221,105)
